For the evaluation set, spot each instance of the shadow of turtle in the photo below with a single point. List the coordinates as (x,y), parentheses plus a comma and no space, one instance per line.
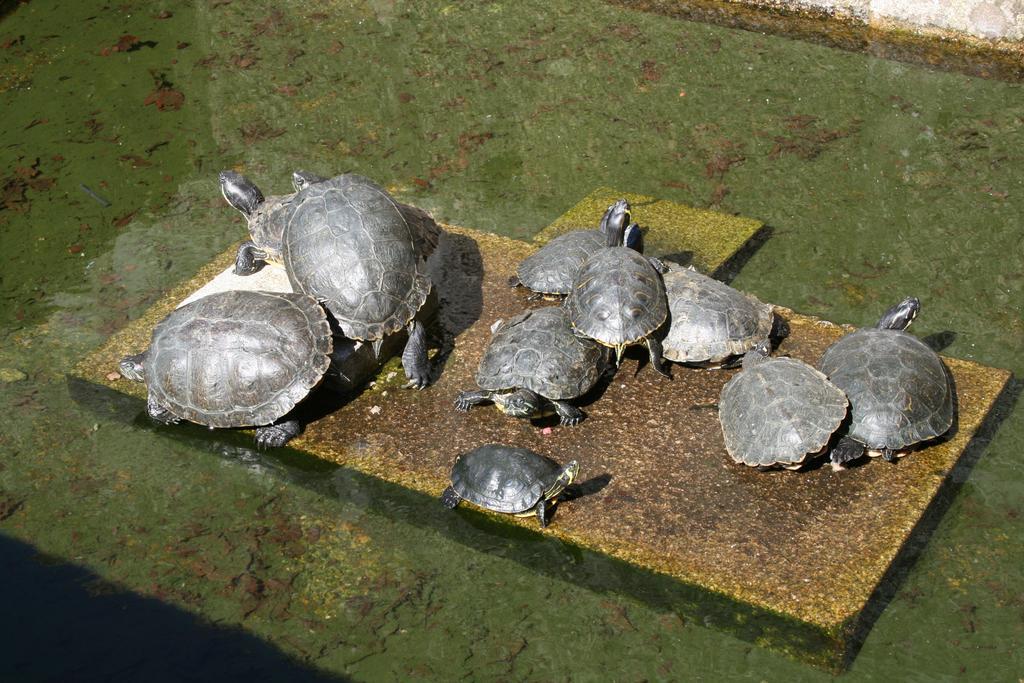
(457,270)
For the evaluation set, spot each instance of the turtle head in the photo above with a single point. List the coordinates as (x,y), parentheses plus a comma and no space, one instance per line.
(131,367)
(760,353)
(633,239)
(521,403)
(565,479)
(614,221)
(901,315)
(240,192)
(303,179)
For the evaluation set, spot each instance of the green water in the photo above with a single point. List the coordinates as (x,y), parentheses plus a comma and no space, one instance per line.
(130,554)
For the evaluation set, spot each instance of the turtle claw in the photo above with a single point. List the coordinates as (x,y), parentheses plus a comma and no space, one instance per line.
(418,382)
(414,357)
(467,399)
(658,264)
(568,415)
(275,436)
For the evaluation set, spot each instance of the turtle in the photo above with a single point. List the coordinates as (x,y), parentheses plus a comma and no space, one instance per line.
(618,297)
(235,359)
(267,217)
(900,391)
(348,243)
(551,269)
(710,323)
(508,479)
(779,411)
(533,364)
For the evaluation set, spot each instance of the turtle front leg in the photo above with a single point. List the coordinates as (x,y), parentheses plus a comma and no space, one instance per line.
(249,258)
(888,455)
(657,362)
(542,513)
(133,367)
(467,399)
(277,435)
(569,415)
(414,357)
(449,498)
(160,414)
(846,450)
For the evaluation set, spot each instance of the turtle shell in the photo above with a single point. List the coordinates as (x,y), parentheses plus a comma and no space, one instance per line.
(238,358)
(503,478)
(709,321)
(617,298)
(348,244)
(552,268)
(779,411)
(537,350)
(899,390)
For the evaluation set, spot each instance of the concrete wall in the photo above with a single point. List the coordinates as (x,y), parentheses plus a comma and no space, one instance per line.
(989,19)
(979,37)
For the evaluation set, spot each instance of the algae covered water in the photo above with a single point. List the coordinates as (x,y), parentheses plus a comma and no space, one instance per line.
(127,553)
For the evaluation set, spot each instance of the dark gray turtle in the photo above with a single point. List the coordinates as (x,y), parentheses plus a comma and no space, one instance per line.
(618,298)
(508,479)
(533,364)
(347,243)
(552,268)
(709,321)
(900,392)
(267,218)
(778,411)
(235,359)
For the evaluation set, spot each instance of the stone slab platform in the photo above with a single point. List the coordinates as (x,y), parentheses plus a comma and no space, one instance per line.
(661,495)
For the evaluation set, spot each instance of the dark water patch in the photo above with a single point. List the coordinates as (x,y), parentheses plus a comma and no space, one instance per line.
(65,622)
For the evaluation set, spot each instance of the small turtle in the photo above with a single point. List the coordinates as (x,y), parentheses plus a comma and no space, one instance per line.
(618,297)
(347,243)
(533,364)
(235,359)
(900,392)
(552,268)
(778,411)
(508,479)
(710,323)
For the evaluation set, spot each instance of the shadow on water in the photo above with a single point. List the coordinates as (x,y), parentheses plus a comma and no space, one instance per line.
(63,622)
(940,341)
(732,266)
(8,6)
(563,561)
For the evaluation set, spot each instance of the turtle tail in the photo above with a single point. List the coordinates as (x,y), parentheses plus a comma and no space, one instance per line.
(619,348)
